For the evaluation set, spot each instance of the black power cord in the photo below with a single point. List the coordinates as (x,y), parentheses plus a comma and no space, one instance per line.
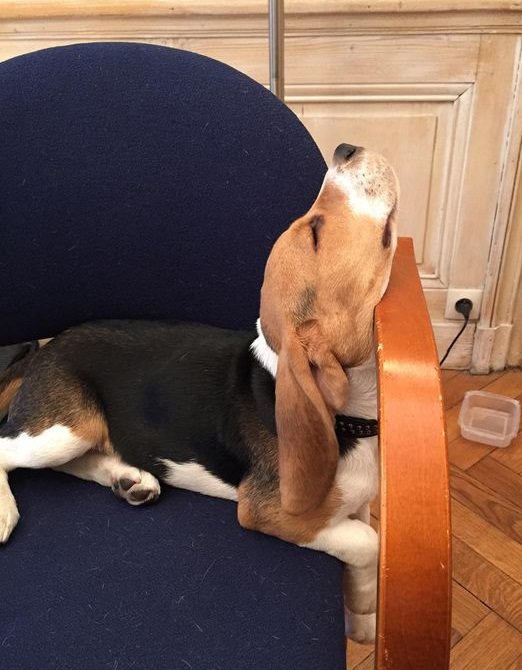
(464,307)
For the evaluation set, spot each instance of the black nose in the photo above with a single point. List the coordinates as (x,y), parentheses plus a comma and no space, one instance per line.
(343,153)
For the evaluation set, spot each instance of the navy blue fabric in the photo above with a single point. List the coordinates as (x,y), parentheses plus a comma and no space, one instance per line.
(141,181)
(88,582)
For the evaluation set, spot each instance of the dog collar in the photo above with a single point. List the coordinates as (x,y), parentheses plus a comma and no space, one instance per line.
(352,426)
(347,428)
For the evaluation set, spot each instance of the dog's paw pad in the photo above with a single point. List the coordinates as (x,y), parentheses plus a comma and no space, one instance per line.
(138,490)
(139,495)
(125,483)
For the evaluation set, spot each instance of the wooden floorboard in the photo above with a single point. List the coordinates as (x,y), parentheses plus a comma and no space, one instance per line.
(357,653)
(491,645)
(491,543)
(487,583)
(464,454)
(486,503)
(498,477)
(511,457)
(456,387)
(486,492)
(467,611)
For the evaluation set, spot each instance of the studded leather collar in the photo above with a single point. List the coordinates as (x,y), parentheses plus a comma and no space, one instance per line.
(355,427)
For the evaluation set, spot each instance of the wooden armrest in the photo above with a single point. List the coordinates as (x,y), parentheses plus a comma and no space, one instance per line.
(413,623)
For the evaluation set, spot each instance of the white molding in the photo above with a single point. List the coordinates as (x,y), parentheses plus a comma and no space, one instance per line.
(482,348)
(500,348)
(359,93)
(485,348)
(455,177)
(303,17)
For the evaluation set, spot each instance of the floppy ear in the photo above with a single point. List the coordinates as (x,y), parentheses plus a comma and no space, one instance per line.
(308,448)
(327,371)
(332,382)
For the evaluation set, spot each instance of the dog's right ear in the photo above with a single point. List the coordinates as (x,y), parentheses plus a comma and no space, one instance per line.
(308,448)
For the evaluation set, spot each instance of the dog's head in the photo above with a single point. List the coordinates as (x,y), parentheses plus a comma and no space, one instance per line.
(323,279)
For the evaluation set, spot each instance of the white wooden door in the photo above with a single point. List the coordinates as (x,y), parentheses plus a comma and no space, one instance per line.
(439,108)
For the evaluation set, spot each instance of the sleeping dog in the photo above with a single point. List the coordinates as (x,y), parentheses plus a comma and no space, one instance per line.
(282,421)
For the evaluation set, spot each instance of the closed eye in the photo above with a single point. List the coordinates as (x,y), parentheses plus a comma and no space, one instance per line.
(315,224)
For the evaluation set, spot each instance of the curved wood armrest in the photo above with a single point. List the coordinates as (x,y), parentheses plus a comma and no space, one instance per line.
(413,628)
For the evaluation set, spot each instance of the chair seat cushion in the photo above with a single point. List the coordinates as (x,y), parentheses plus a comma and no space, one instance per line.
(91,582)
(146,182)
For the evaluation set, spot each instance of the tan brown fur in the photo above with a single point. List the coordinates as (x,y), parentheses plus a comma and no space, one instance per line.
(259,499)
(86,423)
(343,285)
(11,381)
(94,429)
(262,512)
(305,429)
(60,399)
(7,393)
(323,278)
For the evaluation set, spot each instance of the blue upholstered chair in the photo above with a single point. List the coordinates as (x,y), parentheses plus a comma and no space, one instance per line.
(145,182)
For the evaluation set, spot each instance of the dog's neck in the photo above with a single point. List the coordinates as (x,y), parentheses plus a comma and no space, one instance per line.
(263,352)
(362,399)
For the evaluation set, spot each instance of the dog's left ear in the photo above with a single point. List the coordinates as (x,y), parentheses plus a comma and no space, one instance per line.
(327,371)
(306,401)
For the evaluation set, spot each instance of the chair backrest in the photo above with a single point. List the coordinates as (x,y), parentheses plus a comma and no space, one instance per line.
(141,181)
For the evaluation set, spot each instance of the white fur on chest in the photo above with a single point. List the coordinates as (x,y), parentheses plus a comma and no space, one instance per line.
(357,477)
(358,470)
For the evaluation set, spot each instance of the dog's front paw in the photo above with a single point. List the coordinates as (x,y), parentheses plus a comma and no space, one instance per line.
(361,597)
(360,627)
(8,517)
(363,601)
(137,487)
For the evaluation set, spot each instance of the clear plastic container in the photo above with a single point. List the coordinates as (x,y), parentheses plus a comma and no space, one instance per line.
(489,418)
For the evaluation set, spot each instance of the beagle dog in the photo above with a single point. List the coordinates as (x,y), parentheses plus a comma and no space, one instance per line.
(283,421)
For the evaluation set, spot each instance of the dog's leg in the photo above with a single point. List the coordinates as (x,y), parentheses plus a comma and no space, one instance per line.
(8,510)
(352,541)
(135,486)
(360,627)
(51,447)
(356,544)
(363,514)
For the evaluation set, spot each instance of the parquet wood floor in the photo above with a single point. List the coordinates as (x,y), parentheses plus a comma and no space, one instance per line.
(486,493)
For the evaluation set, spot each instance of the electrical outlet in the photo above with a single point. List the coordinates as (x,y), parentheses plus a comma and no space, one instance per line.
(454,294)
